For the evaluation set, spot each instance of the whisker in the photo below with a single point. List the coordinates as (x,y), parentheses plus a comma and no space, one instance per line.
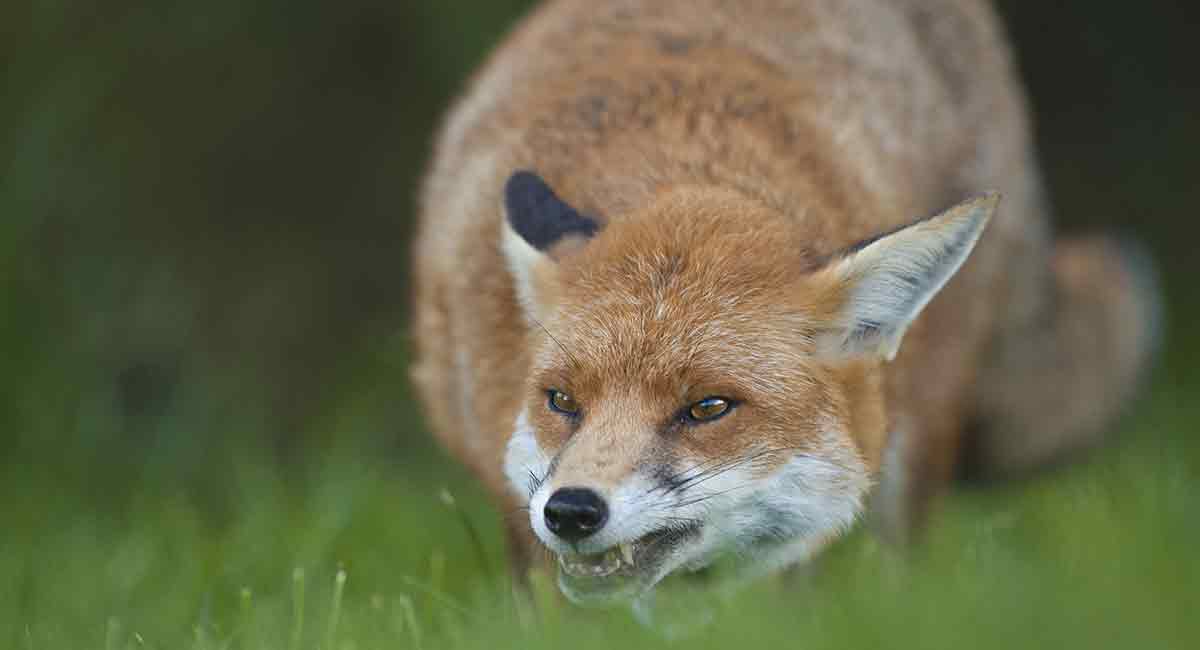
(709,474)
(535,481)
(706,497)
(691,481)
(677,475)
(720,467)
(708,470)
(570,357)
(684,522)
(676,481)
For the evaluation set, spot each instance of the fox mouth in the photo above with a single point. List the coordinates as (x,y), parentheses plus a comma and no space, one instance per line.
(624,570)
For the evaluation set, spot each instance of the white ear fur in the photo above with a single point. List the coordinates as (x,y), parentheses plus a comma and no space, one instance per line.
(888,281)
(522,259)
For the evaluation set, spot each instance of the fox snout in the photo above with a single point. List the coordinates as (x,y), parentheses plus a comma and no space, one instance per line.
(590,492)
(575,513)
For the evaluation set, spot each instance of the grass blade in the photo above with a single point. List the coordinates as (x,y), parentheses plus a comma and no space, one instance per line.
(111,631)
(409,619)
(339,585)
(297,609)
(472,534)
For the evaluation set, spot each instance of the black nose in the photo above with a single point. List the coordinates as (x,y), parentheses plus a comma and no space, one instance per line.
(575,513)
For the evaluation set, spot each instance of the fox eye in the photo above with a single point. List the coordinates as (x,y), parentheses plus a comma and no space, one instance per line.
(563,403)
(709,408)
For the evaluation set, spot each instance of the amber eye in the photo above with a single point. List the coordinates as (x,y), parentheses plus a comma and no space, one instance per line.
(709,408)
(563,403)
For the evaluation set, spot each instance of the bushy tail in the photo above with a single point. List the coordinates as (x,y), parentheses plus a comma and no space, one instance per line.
(1056,386)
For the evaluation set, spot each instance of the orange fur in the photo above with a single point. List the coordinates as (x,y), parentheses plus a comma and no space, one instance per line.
(731,151)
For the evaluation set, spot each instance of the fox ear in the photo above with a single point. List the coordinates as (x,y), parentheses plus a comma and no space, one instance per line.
(880,285)
(538,221)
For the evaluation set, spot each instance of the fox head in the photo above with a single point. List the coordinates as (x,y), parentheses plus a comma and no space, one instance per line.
(699,384)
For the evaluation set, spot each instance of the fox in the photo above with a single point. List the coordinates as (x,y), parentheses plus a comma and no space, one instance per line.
(701,279)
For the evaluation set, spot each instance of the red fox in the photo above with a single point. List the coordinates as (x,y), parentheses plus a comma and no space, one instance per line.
(675,295)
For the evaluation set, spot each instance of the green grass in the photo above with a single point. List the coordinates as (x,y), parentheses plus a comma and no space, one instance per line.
(358,548)
(146,219)
(179,529)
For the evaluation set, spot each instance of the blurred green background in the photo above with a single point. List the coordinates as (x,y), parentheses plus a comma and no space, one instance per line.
(204,220)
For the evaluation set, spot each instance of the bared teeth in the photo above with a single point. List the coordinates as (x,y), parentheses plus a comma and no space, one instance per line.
(627,553)
(598,565)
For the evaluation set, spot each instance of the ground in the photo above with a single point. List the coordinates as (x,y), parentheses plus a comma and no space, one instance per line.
(232,548)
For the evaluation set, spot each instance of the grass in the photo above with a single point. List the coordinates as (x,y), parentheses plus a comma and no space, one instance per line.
(177,529)
(360,549)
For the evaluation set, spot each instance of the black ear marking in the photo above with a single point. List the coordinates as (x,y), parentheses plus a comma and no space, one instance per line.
(538,215)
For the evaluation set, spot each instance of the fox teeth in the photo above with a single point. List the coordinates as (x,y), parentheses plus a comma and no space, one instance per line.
(627,553)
